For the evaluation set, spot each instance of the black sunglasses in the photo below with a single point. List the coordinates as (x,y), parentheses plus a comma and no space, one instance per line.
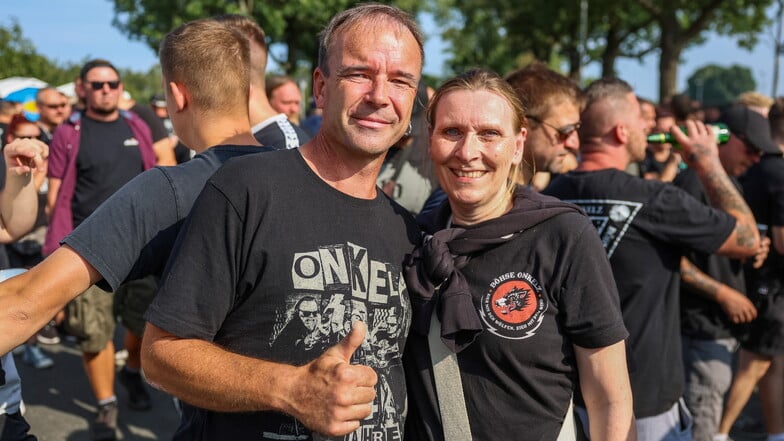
(564,132)
(98,85)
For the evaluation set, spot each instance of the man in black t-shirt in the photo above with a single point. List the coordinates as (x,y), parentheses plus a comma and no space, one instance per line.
(761,357)
(268,233)
(645,226)
(93,154)
(713,300)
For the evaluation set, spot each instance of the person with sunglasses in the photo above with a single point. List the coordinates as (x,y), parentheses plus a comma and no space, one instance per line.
(646,227)
(93,154)
(552,105)
(53,109)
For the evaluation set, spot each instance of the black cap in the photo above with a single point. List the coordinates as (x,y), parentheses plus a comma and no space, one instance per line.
(158,100)
(751,127)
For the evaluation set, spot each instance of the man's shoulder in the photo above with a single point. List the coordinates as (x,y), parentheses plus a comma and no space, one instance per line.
(278,132)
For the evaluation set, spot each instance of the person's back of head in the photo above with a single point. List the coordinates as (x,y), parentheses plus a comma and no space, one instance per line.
(540,88)
(605,106)
(213,61)
(756,101)
(681,107)
(370,15)
(258,45)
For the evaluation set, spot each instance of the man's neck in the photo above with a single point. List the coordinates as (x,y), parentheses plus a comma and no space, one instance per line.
(592,159)
(208,132)
(259,110)
(352,174)
(103,117)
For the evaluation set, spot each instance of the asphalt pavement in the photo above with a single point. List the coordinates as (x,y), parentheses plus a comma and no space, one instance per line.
(60,403)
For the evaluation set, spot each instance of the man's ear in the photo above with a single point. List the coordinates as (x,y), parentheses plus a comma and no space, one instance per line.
(621,134)
(180,95)
(319,86)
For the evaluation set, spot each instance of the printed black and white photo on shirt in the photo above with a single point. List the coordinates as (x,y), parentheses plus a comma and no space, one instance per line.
(335,286)
(612,218)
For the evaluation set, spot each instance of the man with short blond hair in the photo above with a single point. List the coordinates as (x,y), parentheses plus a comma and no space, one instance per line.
(52,111)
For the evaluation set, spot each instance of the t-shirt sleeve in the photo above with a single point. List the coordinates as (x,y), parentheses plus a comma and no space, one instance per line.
(674,216)
(589,300)
(198,286)
(129,235)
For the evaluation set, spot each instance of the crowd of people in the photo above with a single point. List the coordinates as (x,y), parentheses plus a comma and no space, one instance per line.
(500,258)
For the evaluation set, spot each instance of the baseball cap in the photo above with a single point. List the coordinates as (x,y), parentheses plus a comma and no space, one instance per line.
(751,127)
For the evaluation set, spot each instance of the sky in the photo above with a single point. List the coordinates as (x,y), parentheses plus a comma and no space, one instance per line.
(70,31)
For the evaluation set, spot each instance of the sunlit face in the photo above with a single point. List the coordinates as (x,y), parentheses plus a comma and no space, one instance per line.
(286,99)
(635,126)
(473,145)
(737,155)
(104,100)
(369,93)
(52,108)
(648,112)
(548,143)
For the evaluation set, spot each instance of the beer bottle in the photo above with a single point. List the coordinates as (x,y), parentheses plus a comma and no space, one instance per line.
(720,130)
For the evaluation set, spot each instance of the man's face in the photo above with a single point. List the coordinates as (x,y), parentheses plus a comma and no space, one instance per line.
(737,155)
(102,89)
(52,108)
(286,99)
(648,112)
(554,137)
(635,126)
(369,93)
(309,314)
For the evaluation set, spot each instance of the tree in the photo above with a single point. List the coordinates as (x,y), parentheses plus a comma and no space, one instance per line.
(715,85)
(294,24)
(18,57)
(683,23)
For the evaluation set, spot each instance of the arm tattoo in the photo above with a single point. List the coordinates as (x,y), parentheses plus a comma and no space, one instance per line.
(698,280)
(723,195)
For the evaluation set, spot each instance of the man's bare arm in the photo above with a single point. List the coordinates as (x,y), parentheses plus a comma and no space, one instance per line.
(777,236)
(604,382)
(701,154)
(164,151)
(29,300)
(736,305)
(19,198)
(328,395)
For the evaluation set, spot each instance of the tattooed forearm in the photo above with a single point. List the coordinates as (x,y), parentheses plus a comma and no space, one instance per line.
(697,280)
(723,195)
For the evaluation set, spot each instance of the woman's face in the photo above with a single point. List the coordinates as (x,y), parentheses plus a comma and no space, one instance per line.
(25,130)
(473,145)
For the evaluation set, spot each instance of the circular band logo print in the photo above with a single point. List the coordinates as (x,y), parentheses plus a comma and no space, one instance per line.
(514,308)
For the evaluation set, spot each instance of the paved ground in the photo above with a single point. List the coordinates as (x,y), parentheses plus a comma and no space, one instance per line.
(60,404)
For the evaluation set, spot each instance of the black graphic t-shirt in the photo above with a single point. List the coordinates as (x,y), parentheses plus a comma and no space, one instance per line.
(279,272)
(279,133)
(702,318)
(645,227)
(547,289)
(108,157)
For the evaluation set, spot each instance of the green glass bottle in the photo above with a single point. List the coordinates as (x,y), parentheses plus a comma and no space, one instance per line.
(720,130)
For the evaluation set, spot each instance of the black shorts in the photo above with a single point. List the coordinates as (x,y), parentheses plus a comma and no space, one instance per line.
(765,335)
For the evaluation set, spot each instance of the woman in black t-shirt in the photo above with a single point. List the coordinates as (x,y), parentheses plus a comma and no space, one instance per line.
(512,285)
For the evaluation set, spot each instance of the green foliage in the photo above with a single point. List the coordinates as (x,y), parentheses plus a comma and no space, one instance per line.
(717,85)
(293,24)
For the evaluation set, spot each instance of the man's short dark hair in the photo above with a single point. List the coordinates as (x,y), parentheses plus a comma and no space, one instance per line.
(92,64)
(539,87)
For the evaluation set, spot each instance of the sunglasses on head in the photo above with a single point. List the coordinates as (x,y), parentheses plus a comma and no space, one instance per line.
(98,85)
(564,132)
